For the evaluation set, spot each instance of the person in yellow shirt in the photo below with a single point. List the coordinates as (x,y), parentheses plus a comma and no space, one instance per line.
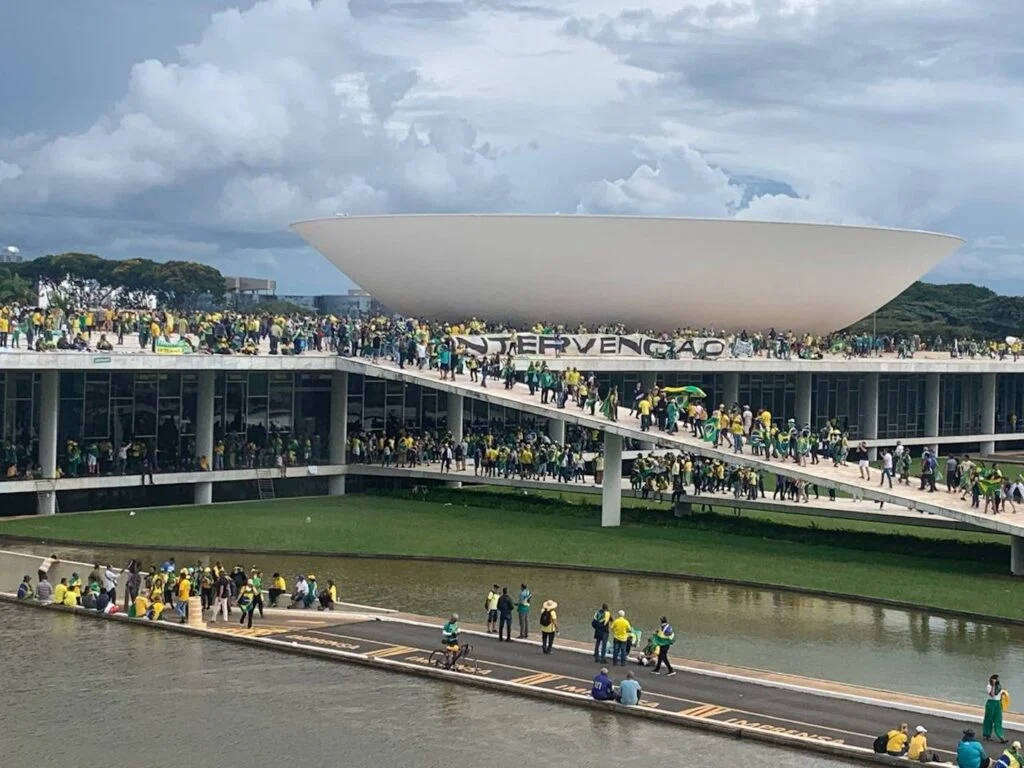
(184,592)
(328,596)
(897,741)
(548,625)
(918,750)
(139,608)
(59,592)
(70,598)
(621,631)
(644,408)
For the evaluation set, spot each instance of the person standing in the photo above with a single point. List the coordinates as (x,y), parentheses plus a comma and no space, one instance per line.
(993,723)
(548,625)
(491,606)
(601,622)
(621,630)
(110,577)
(523,609)
(663,640)
(221,595)
(505,606)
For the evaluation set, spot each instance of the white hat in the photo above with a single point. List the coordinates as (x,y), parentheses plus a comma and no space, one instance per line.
(921,729)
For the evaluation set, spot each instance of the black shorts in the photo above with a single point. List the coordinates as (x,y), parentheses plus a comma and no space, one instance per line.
(492,615)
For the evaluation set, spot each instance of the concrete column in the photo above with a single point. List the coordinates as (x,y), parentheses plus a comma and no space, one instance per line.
(611,488)
(556,431)
(870,430)
(456,411)
(988,412)
(1017,555)
(931,405)
(338,439)
(202,493)
(46,501)
(803,399)
(731,394)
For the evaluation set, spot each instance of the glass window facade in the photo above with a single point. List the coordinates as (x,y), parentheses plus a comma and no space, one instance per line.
(901,401)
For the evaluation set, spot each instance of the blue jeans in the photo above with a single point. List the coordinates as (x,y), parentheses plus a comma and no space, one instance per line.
(601,648)
(619,651)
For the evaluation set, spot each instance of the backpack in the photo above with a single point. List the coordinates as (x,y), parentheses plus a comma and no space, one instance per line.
(878,745)
(545,618)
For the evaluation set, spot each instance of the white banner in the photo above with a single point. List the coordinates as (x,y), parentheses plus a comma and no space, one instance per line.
(591,344)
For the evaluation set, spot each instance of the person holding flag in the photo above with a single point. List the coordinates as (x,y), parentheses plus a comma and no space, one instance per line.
(663,640)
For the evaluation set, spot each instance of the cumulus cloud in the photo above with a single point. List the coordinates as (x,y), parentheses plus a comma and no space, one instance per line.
(851,111)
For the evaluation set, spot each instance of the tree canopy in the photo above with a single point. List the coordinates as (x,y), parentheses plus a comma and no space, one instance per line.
(76,279)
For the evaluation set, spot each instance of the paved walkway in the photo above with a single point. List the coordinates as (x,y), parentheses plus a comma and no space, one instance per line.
(804,707)
(840,509)
(843,479)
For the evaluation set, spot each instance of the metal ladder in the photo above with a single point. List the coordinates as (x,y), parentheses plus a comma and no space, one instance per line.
(265,485)
(40,495)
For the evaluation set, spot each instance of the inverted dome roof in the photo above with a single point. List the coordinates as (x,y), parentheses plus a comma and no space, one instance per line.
(658,273)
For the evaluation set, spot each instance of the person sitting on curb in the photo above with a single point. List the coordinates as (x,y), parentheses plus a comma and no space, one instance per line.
(603,690)
(300,593)
(970,753)
(918,750)
(629,691)
(25,590)
(1011,757)
(897,741)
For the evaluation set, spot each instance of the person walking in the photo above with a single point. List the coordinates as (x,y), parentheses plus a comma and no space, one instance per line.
(505,607)
(993,723)
(601,623)
(886,468)
(663,640)
(523,609)
(621,630)
(548,625)
(491,606)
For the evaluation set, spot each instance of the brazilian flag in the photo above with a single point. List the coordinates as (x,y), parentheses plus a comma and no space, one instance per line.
(711,430)
(988,486)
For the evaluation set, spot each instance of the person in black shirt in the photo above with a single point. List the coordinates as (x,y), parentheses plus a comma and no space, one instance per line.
(505,608)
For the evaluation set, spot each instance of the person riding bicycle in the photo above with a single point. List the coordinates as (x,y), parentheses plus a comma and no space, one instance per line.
(450,632)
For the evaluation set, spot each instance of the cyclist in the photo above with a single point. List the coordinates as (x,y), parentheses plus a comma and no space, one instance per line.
(450,632)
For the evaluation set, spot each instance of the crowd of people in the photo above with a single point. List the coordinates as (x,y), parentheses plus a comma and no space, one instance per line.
(252,331)
(164,592)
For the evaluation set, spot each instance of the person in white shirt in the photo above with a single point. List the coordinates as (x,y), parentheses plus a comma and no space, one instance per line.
(110,582)
(886,468)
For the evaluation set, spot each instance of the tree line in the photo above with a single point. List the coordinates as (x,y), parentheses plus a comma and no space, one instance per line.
(84,279)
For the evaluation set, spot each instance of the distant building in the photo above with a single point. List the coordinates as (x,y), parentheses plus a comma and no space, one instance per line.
(11,255)
(356,301)
(246,291)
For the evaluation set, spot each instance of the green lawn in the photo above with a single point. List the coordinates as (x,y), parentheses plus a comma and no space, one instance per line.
(943,573)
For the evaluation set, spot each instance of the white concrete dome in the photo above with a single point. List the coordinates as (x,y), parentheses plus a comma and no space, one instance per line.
(657,273)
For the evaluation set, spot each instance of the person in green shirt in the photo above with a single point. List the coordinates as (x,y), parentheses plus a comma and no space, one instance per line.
(256,579)
(450,631)
(523,608)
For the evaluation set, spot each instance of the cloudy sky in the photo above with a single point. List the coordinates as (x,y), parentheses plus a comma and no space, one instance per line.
(199,128)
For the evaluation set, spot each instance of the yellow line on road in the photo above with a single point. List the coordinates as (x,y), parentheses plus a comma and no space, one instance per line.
(391,650)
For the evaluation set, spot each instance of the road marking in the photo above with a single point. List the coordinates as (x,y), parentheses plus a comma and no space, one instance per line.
(536,679)
(391,650)
(704,710)
(254,632)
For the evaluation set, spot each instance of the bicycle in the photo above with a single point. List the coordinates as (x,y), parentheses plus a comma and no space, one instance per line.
(449,657)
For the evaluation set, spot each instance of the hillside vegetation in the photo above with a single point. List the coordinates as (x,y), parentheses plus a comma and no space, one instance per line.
(959,310)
